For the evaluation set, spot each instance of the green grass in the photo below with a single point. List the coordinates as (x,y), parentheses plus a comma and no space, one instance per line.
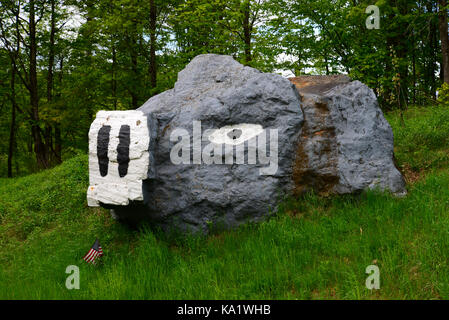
(314,248)
(423,143)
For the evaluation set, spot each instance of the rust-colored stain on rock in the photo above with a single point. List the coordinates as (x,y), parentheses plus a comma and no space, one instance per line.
(318,84)
(317,136)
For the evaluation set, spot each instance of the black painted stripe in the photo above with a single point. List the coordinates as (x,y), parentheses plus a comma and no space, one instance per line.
(123,150)
(102,149)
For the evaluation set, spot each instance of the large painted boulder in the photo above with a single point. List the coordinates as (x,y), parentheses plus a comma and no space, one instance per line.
(228,142)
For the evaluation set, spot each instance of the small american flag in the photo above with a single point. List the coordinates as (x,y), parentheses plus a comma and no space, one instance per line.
(94,252)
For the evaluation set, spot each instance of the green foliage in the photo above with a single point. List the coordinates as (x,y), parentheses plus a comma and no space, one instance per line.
(102,55)
(313,248)
(443,95)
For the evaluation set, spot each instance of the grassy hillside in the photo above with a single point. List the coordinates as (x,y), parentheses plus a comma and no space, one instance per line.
(314,248)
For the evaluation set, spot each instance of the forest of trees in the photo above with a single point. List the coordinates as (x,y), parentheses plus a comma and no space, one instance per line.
(63,60)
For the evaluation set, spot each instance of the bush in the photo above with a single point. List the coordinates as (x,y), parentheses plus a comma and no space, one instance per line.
(443,95)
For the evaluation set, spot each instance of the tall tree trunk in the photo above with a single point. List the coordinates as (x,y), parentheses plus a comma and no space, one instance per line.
(388,66)
(414,75)
(402,54)
(326,62)
(39,147)
(433,45)
(48,132)
(400,46)
(51,54)
(134,86)
(89,54)
(134,96)
(12,130)
(247,30)
(153,65)
(51,62)
(58,144)
(442,25)
(114,79)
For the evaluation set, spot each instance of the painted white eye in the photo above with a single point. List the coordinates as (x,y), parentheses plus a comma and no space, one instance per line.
(235,134)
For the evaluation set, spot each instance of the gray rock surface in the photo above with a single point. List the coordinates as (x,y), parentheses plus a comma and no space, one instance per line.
(331,137)
(346,144)
(219,92)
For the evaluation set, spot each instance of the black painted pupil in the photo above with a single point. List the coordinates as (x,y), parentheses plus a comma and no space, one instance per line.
(122,150)
(235,134)
(102,149)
